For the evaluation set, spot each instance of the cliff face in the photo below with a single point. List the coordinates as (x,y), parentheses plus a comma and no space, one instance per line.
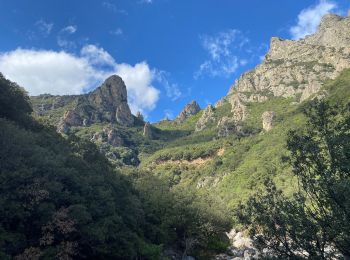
(297,68)
(111,98)
(106,104)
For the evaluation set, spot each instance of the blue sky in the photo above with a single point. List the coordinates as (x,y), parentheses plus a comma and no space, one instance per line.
(168,52)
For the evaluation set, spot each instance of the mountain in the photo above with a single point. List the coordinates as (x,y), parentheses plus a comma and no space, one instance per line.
(214,148)
(190,174)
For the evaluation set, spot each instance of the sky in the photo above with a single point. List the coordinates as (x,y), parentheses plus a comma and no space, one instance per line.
(168,52)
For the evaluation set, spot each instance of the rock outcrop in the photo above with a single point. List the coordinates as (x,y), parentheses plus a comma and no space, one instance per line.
(108,135)
(298,68)
(139,116)
(238,108)
(242,248)
(147,131)
(268,118)
(206,118)
(108,103)
(189,110)
(228,126)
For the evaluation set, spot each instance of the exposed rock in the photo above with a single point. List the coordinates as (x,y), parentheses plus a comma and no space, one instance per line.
(241,248)
(113,138)
(206,118)
(239,110)
(268,120)
(147,131)
(72,118)
(139,116)
(123,115)
(299,68)
(109,136)
(108,103)
(189,110)
(111,98)
(220,103)
(62,127)
(228,126)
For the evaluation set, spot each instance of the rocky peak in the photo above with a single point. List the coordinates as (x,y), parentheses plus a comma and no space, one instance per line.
(298,68)
(206,118)
(108,103)
(110,94)
(333,31)
(111,97)
(190,109)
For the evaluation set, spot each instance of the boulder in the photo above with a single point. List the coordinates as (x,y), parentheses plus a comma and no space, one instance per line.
(268,118)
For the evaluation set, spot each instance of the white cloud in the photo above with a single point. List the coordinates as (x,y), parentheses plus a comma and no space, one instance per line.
(96,55)
(138,78)
(309,19)
(223,50)
(44,27)
(60,73)
(70,29)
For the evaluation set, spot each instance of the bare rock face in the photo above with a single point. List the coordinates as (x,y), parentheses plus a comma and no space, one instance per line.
(268,118)
(228,126)
(206,119)
(63,127)
(239,110)
(111,98)
(147,131)
(109,136)
(108,103)
(299,68)
(189,110)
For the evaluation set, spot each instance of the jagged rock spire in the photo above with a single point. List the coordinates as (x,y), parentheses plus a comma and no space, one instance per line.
(190,109)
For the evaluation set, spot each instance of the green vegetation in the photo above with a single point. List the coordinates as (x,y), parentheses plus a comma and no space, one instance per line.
(314,222)
(177,190)
(61,198)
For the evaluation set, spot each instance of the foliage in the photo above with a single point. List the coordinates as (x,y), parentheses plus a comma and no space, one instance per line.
(61,198)
(314,223)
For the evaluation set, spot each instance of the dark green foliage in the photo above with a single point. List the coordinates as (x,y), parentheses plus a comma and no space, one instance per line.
(14,103)
(314,223)
(59,195)
(60,198)
(181,218)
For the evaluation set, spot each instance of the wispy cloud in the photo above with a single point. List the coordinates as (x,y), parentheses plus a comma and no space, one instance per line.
(63,37)
(44,27)
(309,19)
(70,29)
(146,1)
(46,71)
(172,90)
(223,51)
(113,8)
(117,32)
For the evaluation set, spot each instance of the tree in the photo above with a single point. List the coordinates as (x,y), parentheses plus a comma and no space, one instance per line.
(315,222)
